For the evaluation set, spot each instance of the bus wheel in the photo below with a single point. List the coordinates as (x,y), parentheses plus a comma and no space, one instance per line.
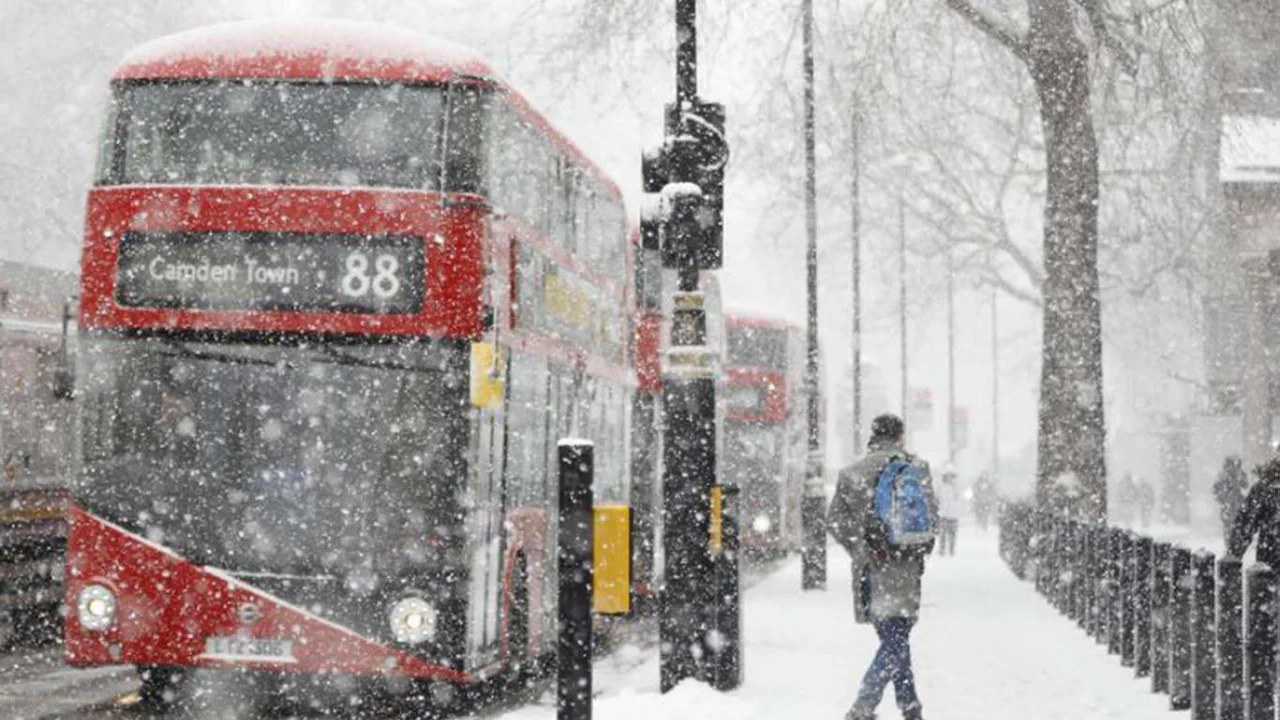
(518,625)
(161,687)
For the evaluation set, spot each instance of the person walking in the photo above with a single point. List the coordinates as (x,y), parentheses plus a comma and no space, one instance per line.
(948,492)
(1121,501)
(1259,516)
(985,500)
(886,573)
(1229,491)
(1145,496)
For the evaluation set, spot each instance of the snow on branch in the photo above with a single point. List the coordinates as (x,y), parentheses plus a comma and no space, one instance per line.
(992,27)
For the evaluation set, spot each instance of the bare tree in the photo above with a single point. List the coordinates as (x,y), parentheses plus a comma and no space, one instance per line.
(1072,433)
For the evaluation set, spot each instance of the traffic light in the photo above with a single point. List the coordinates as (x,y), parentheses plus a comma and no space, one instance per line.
(686,220)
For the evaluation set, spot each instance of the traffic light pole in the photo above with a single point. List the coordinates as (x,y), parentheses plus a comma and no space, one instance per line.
(688,172)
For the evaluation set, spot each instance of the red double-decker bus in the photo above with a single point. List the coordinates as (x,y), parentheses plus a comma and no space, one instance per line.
(764,429)
(343,289)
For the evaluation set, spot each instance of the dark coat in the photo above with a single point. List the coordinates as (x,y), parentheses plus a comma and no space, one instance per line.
(1229,490)
(1260,516)
(893,576)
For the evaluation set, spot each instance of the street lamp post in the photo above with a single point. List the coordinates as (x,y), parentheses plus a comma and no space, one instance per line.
(813,505)
(857,288)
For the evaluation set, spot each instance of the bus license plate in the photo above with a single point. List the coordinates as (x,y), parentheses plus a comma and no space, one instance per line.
(248,649)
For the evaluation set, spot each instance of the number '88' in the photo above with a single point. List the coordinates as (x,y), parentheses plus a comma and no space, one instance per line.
(357,282)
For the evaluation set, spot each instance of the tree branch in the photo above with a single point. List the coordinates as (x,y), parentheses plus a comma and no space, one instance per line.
(992,27)
(1093,8)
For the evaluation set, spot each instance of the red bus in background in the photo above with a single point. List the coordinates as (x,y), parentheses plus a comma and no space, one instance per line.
(646,481)
(765,440)
(342,291)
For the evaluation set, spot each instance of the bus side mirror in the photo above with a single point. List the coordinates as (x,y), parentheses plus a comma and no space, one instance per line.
(64,375)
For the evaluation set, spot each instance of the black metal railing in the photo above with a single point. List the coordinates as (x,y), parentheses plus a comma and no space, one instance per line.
(1202,630)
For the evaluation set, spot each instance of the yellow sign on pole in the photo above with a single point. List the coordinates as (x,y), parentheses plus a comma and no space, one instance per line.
(486,376)
(612,560)
(717,519)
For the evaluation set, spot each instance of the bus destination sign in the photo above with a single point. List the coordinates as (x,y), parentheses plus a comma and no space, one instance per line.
(263,271)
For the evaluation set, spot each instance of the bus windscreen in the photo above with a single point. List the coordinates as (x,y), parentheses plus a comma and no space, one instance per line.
(276,133)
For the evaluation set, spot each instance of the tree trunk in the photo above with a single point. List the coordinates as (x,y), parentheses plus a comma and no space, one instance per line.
(1072,466)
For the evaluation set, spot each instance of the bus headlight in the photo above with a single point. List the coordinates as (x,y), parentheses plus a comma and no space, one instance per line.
(761,524)
(96,608)
(413,621)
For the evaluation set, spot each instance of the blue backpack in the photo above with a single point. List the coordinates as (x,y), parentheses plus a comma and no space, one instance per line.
(902,505)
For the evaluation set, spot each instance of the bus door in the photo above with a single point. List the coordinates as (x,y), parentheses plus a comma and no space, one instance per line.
(485,508)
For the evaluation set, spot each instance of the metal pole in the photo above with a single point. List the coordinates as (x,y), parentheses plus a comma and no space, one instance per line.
(686,51)
(574,559)
(857,291)
(1128,580)
(1115,591)
(1180,629)
(1203,636)
(902,301)
(1260,642)
(1230,666)
(951,357)
(1142,607)
(1160,603)
(726,671)
(995,387)
(813,508)
(687,606)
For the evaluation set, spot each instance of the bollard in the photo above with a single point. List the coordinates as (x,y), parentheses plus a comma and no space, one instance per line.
(1046,570)
(1104,586)
(1080,596)
(1203,652)
(1230,626)
(1142,607)
(813,553)
(1260,642)
(1087,588)
(1160,617)
(1115,597)
(1055,563)
(1062,566)
(1127,607)
(1075,570)
(1179,628)
(725,642)
(1096,625)
(1038,545)
(574,562)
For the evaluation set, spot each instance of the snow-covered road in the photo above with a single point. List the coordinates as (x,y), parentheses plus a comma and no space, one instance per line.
(987,647)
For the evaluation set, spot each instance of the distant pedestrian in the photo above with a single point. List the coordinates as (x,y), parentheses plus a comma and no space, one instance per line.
(1145,497)
(949,505)
(1121,501)
(12,468)
(1260,516)
(1229,490)
(886,572)
(984,500)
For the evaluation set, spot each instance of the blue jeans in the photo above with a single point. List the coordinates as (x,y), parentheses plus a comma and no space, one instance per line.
(892,663)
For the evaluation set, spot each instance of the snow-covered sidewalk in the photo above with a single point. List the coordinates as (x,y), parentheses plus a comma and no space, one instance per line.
(987,647)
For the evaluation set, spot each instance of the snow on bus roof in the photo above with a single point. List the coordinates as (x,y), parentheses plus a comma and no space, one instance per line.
(324,49)
(741,318)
